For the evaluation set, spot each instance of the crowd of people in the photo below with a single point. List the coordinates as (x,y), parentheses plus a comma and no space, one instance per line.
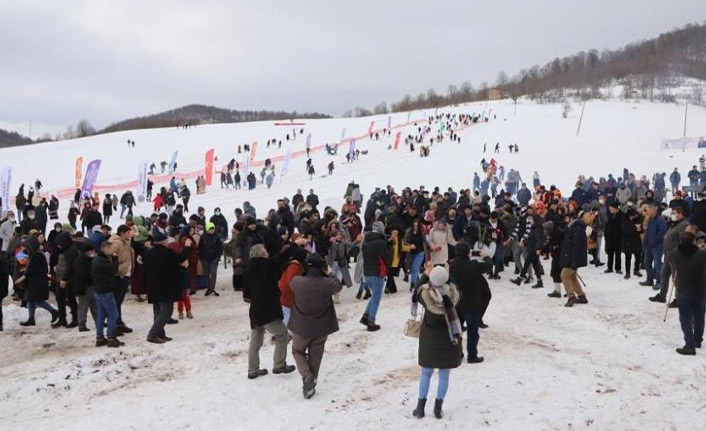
(291,264)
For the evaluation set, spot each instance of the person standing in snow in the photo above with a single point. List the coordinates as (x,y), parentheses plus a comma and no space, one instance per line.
(210,252)
(574,252)
(440,340)
(376,261)
(313,319)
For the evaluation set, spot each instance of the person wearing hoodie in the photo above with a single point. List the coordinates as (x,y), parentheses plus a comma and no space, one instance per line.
(688,261)
(376,261)
(36,291)
(64,253)
(221,224)
(313,319)
(80,279)
(440,237)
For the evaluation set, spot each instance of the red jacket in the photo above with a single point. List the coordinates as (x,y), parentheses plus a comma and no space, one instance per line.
(293,269)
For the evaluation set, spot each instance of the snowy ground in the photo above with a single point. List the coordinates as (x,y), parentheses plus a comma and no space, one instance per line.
(608,365)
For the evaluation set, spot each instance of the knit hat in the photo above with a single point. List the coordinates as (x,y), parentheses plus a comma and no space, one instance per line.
(439,276)
(614,204)
(209,226)
(379,227)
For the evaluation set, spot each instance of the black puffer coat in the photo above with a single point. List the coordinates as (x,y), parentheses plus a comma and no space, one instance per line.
(435,347)
(261,286)
(37,281)
(574,249)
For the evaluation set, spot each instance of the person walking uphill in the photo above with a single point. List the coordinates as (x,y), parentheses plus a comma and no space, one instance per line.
(440,342)
(688,262)
(376,260)
(260,285)
(163,280)
(313,319)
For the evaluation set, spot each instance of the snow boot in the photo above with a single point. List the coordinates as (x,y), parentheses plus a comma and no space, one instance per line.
(359,295)
(538,284)
(518,280)
(438,413)
(529,279)
(419,411)
(365,320)
(28,322)
(367,294)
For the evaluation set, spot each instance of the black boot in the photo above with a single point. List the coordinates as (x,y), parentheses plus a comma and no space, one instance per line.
(419,411)
(538,284)
(367,294)
(365,320)
(359,295)
(518,280)
(438,413)
(59,323)
(29,322)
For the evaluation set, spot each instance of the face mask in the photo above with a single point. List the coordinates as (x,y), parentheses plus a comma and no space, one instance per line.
(602,202)
(673,217)
(218,213)
(58,229)
(12,219)
(31,217)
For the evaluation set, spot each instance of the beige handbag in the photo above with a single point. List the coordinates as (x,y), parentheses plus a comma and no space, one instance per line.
(413,327)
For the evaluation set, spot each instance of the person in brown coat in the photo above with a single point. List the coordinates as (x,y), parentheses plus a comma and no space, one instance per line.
(313,318)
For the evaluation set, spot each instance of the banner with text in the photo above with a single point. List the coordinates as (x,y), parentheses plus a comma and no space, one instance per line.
(5,184)
(89,180)
(683,144)
(142,181)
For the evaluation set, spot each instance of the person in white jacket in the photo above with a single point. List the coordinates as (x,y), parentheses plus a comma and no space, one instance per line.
(7,229)
(440,237)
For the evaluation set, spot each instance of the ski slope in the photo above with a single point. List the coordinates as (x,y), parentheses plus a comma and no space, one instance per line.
(607,365)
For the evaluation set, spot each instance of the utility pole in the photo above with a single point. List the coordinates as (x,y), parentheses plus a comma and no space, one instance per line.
(686,112)
(515,113)
(581,118)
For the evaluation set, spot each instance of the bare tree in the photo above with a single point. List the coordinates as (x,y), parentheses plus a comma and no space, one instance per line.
(381,108)
(84,128)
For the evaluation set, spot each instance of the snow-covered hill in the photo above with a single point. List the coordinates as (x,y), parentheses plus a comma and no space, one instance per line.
(606,365)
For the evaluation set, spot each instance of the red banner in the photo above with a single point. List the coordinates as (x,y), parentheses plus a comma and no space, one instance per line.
(397,140)
(208,171)
(79,171)
(370,129)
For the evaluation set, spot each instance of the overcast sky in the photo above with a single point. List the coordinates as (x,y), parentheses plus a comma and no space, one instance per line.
(61,61)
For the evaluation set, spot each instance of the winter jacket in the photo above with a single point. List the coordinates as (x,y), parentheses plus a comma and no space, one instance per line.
(210,248)
(440,239)
(654,234)
(293,269)
(285,214)
(221,225)
(36,279)
(574,249)
(376,256)
(7,229)
(435,347)
(613,231)
(163,275)
(673,237)
(81,274)
(126,255)
(313,313)
(93,218)
(524,196)
(630,236)
(698,215)
(107,207)
(535,239)
(261,285)
(103,273)
(675,178)
(689,264)
(467,275)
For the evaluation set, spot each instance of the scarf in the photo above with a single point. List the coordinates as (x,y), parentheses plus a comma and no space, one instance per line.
(441,299)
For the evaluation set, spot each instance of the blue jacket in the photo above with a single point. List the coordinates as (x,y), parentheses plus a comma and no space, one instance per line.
(654,234)
(675,178)
(580,196)
(524,196)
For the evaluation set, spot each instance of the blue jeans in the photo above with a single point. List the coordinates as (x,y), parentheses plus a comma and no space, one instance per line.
(287,312)
(472,325)
(105,302)
(416,263)
(32,307)
(653,263)
(692,309)
(363,286)
(425,379)
(376,285)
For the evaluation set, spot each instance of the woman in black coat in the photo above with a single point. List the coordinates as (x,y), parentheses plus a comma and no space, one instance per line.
(439,325)
(630,242)
(36,290)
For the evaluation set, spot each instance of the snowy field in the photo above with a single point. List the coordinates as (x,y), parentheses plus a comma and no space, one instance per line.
(608,365)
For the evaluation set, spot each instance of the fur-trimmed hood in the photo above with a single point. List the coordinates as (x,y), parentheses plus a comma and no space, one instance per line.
(430,306)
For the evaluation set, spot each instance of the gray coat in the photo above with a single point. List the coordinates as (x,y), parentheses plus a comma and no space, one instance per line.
(313,313)
(673,237)
(7,228)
